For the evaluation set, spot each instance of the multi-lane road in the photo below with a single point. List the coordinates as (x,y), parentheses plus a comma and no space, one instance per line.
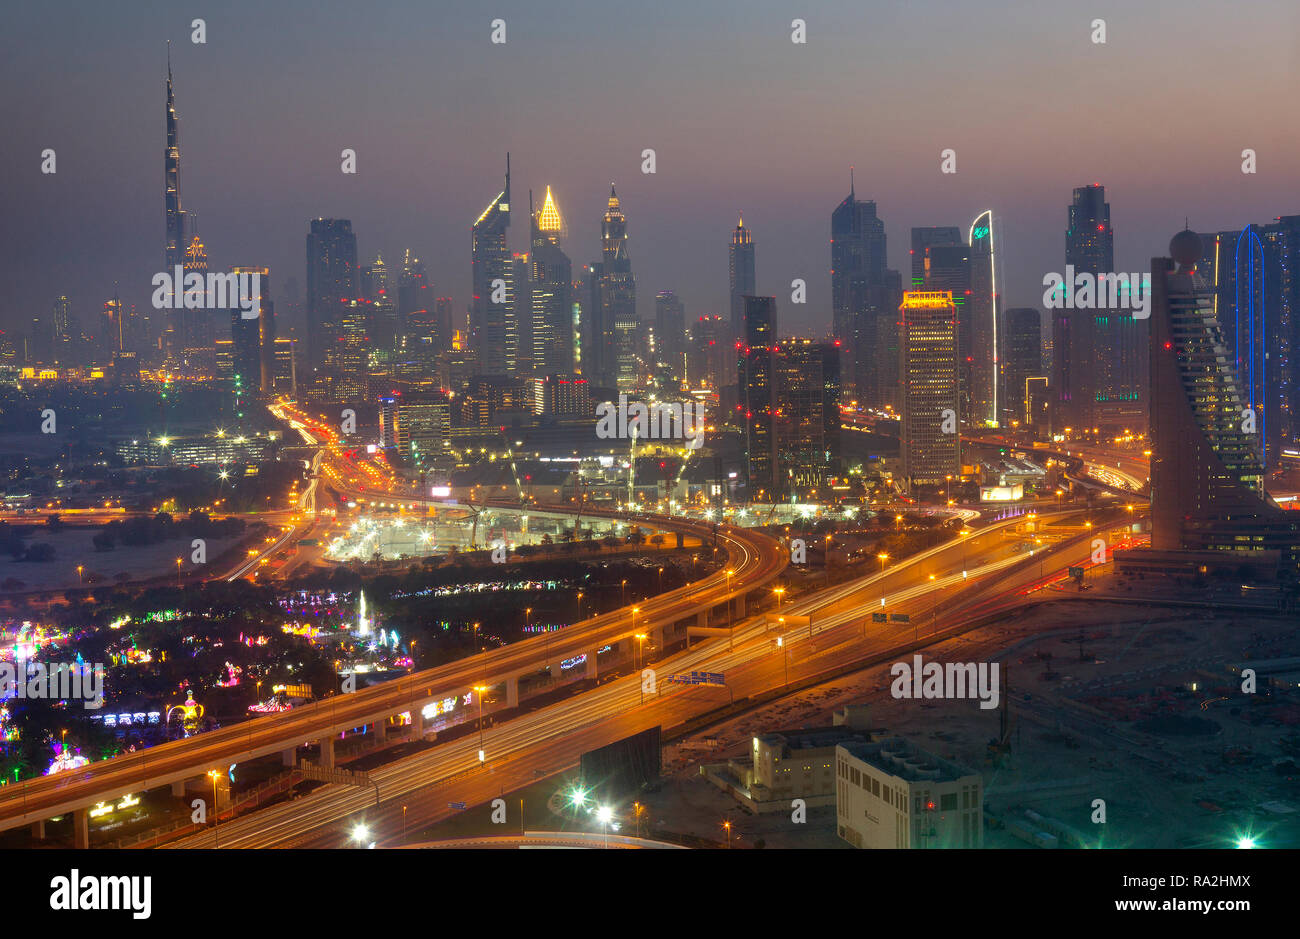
(755,558)
(969,580)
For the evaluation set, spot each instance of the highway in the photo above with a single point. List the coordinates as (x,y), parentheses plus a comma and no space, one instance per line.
(755,558)
(551,738)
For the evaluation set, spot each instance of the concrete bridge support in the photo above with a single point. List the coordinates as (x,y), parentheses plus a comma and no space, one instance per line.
(327,752)
(81,829)
(512,692)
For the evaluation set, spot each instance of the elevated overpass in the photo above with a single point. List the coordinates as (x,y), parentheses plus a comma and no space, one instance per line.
(755,559)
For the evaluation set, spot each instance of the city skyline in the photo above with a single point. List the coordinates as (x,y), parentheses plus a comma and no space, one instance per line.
(250,203)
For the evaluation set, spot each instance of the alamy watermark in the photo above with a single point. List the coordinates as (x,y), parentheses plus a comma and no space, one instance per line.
(62,681)
(658,421)
(931,680)
(216,292)
(1087,291)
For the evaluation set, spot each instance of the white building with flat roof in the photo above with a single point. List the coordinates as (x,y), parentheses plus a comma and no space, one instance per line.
(890,794)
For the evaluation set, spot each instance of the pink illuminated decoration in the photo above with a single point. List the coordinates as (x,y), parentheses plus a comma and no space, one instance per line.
(66,760)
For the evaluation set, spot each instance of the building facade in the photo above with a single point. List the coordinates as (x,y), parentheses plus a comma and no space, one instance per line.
(891,794)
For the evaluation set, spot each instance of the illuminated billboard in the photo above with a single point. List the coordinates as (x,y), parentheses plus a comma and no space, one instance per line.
(1012,493)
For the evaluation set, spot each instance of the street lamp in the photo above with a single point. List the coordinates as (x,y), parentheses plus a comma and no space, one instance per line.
(79,570)
(479,689)
(727,826)
(605,814)
(785,654)
(178,572)
(780,592)
(579,604)
(948,488)
(214,775)
(623,587)
(640,640)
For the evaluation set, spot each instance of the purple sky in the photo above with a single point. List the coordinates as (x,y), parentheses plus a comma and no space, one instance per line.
(740,118)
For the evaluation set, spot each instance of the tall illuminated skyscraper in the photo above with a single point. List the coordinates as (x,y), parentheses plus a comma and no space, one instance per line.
(758,397)
(922,238)
(670,331)
(1021,359)
(742,276)
(174,250)
(618,294)
(1097,370)
(807,422)
(857,265)
(198,331)
(554,341)
(332,281)
(255,350)
(1207,473)
(982,327)
(493,332)
(930,387)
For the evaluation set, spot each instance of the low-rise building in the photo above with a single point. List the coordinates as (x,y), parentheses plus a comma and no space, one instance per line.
(891,794)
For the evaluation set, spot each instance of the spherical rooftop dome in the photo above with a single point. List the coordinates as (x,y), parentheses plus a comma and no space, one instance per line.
(1185,248)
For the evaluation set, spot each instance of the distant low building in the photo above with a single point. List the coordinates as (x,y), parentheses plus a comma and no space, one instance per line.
(197,449)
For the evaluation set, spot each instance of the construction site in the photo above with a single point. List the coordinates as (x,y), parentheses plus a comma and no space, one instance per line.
(1119,725)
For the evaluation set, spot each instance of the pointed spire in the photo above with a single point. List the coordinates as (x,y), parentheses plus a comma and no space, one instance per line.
(169,60)
(851,190)
(613,205)
(507,177)
(549,218)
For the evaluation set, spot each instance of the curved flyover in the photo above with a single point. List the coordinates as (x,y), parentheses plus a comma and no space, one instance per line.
(756,558)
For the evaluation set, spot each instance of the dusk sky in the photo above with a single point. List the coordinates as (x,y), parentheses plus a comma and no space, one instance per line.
(740,119)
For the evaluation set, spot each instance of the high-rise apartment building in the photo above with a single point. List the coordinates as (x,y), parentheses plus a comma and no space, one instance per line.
(1207,470)
(807,425)
(930,387)
(758,401)
(1022,351)
(1098,371)
(670,332)
(332,283)
(857,265)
